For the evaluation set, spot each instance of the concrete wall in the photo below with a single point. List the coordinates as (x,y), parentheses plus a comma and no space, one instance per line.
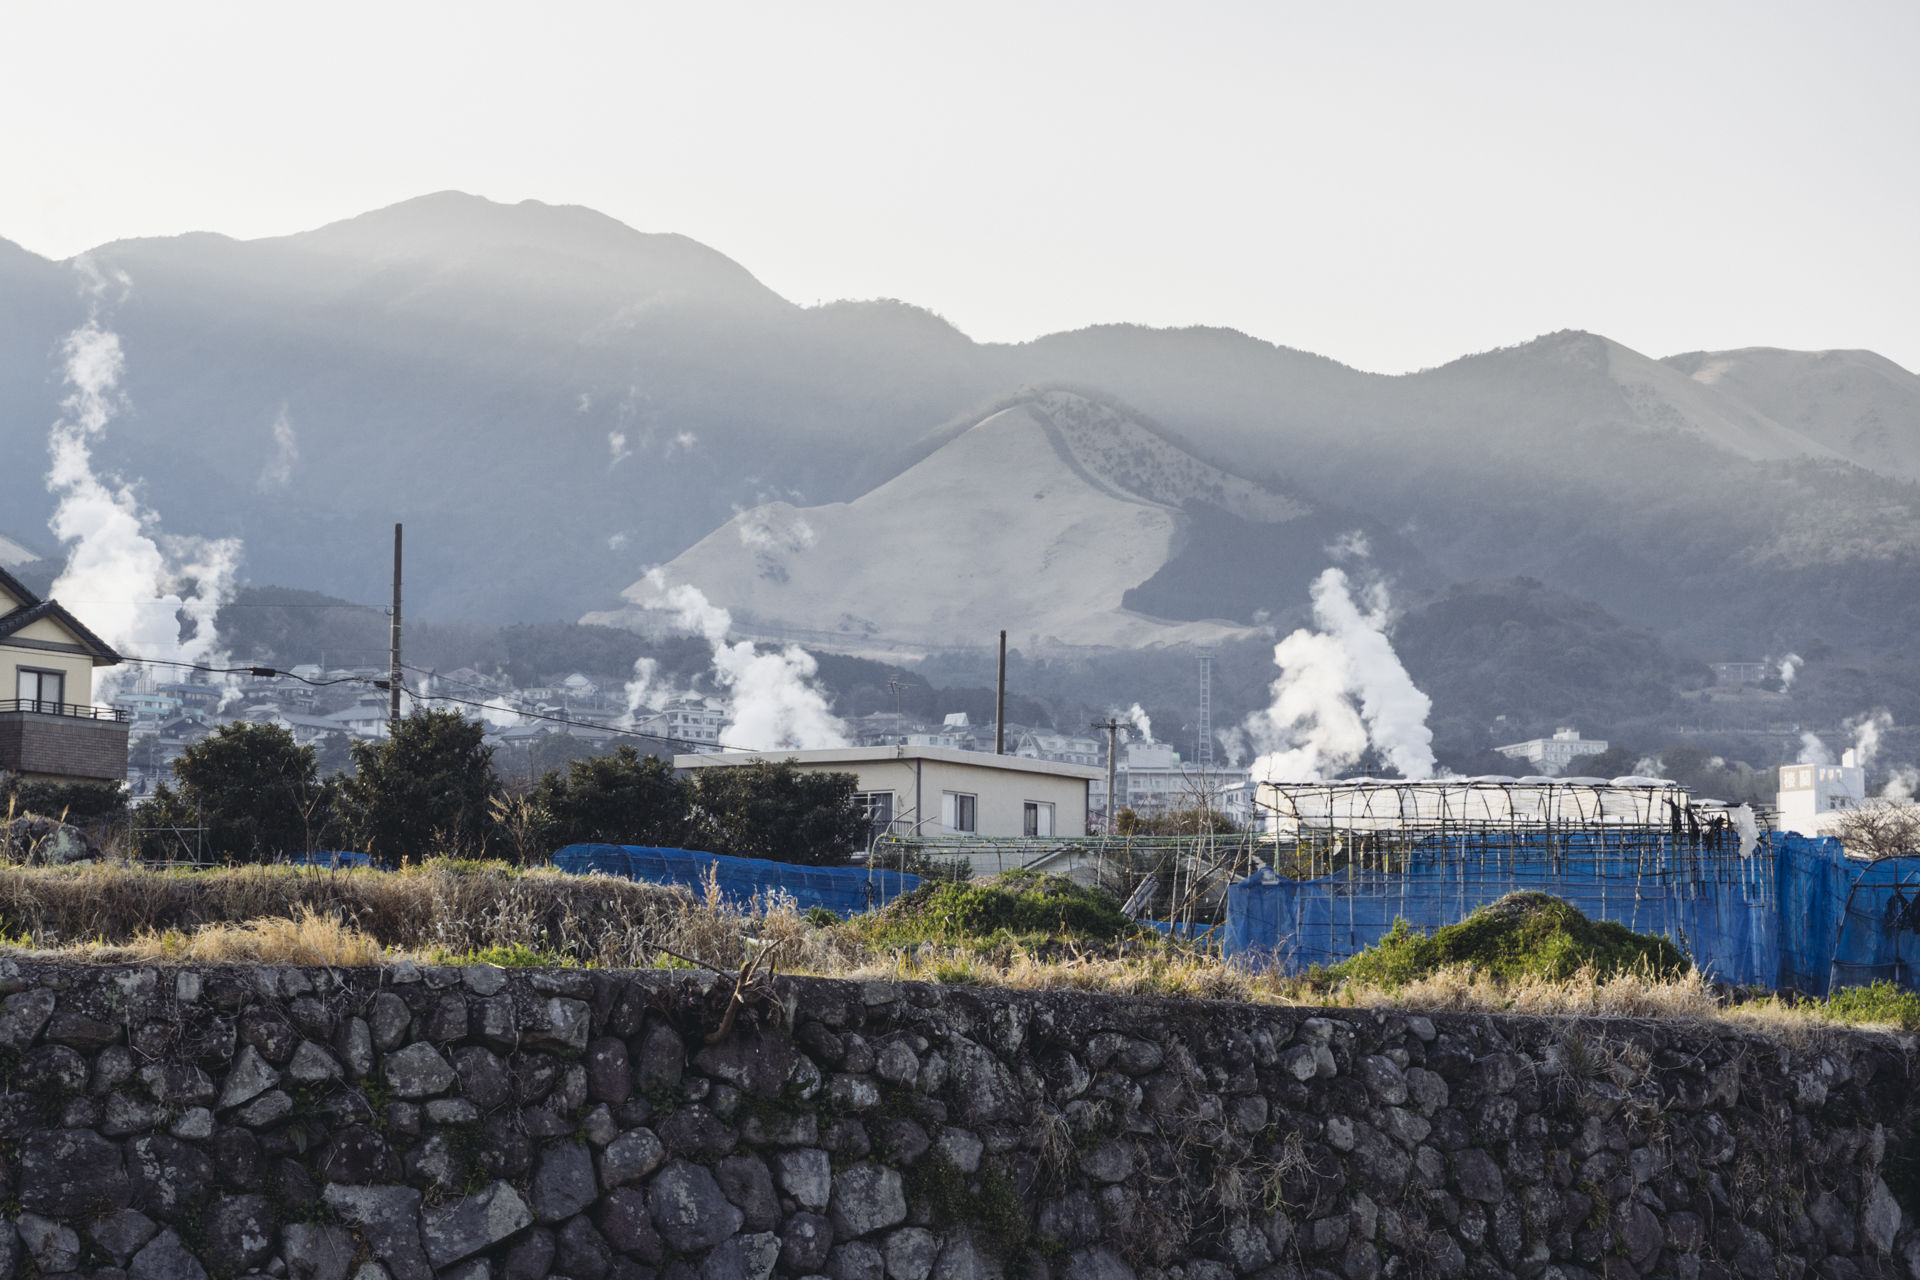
(407,1124)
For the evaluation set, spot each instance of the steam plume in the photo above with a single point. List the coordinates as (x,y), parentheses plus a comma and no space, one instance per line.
(776,705)
(1812,750)
(1341,689)
(1789,668)
(1142,724)
(286,451)
(1867,734)
(147,594)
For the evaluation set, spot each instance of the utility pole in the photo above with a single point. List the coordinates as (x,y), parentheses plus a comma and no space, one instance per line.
(1000,703)
(1114,728)
(393,645)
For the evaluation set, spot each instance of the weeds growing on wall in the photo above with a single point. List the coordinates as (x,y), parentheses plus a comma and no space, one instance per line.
(1024,909)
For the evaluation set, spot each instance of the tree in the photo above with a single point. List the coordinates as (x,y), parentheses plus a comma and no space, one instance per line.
(424,790)
(775,810)
(623,798)
(256,792)
(1880,829)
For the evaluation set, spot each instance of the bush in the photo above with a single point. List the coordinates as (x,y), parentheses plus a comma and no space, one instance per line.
(424,790)
(623,798)
(1523,935)
(84,804)
(255,791)
(1883,1003)
(774,810)
(1021,906)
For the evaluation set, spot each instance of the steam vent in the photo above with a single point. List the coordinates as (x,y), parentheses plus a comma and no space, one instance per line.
(480,1124)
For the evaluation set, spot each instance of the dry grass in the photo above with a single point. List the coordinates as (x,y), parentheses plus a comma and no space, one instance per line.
(446,911)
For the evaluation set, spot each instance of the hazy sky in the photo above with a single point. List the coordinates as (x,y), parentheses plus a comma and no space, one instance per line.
(1389,184)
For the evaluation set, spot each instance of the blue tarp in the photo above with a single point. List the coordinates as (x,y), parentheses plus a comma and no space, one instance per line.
(1795,913)
(843,890)
(330,858)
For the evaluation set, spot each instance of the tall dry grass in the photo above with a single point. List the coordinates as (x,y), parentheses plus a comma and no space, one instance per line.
(447,910)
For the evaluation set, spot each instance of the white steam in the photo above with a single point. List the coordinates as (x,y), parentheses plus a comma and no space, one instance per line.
(1142,725)
(1341,690)
(1812,750)
(147,594)
(642,688)
(278,472)
(1902,783)
(1867,735)
(776,705)
(617,446)
(1789,668)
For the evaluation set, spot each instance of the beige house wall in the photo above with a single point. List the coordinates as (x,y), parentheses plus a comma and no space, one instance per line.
(918,782)
(77,667)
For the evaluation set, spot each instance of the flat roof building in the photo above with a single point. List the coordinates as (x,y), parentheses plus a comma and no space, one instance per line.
(935,791)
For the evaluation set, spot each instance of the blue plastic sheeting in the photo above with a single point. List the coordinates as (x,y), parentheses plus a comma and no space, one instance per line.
(1795,913)
(330,858)
(843,890)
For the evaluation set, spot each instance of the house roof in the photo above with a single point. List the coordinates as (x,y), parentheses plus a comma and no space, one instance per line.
(878,755)
(34,609)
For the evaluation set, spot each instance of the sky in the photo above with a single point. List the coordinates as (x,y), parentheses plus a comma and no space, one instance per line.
(1390,184)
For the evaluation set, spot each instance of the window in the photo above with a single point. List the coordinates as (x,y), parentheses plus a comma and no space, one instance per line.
(1038,819)
(957,811)
(47,688)
(879,807)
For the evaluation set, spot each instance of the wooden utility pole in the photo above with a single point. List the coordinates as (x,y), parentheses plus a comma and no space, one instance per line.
(1000,703)
(393,644)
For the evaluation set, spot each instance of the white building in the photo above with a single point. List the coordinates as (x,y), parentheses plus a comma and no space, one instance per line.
(1551,756)
(932,791)
(1813,797)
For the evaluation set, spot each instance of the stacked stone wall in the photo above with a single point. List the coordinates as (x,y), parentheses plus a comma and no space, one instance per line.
(478,1124)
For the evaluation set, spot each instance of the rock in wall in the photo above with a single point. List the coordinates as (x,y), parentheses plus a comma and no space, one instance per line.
(478,1124)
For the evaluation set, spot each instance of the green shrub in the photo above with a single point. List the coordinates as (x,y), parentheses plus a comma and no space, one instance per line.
(1523,935)
(1883,1002)
(1021,906)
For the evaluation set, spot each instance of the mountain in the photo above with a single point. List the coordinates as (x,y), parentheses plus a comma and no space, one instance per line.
(553,402)
(1045,513)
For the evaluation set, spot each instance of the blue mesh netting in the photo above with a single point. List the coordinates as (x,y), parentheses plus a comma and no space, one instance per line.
(843,890)
(330,858)
(1795,913)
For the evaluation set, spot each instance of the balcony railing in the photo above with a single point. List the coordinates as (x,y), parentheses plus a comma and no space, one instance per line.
(79,710)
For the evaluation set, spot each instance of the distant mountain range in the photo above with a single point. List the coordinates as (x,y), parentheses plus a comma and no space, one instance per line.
(553,402)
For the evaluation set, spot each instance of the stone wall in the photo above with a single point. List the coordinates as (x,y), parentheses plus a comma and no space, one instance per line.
(480,1124)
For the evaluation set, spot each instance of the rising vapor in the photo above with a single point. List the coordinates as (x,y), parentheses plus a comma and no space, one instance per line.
(1341,690)
(148,594)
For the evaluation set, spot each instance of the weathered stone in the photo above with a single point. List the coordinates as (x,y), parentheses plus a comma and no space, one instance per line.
(124,1114)
(357,1155)
(1098,1264)
(178,1084)
(867,1197)
(269,1033)
(316,1252)
(417,1071)
(746,1182)
(447,1019)
(805,1240)
(53,1246)
(251,1076)
(166,1258)
(696,1131)
(910,1252)
(532,1258)
(389,1220)
(69,1173)
(985,1089)
(609,1074)
(1245,1249)
(898,1064)
(311,1064)
(72,1027)
(1476,1176)
(962,1259)
(463,1227)
(563,1182)
(853,1093)
(1880,1217)
(856,1260)
(451,1111)
(484,979)
(1111,1161)
(960,1149)
(22,1016)
(269,1108)
(388,1019)
(122,1232)
(560,1023)
(689,1209)
(744,1257)
(240,1233)
(1384,1080)
(755,1061)
(807,1176)
(353,1039)
(581,1251)
(623,1219)
(630,1157)
(484,1080)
